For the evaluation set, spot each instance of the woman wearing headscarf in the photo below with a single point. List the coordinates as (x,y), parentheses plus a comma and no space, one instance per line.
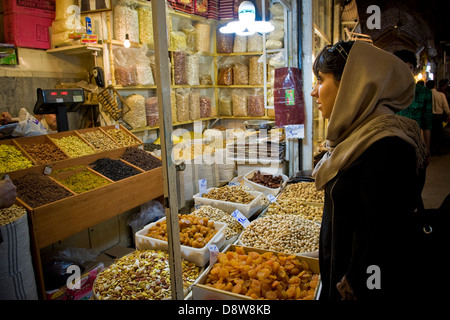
(370,173)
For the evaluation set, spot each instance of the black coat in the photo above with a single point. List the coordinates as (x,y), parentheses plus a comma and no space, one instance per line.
(365,235)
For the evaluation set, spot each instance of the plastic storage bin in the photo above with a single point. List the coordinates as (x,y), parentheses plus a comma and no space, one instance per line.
(199,256)
(260,187)
(246,209)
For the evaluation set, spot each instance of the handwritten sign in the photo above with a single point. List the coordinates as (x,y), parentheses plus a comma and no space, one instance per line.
(240,218)
(295,131)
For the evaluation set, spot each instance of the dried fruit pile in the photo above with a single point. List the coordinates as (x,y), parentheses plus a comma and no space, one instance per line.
(263,276)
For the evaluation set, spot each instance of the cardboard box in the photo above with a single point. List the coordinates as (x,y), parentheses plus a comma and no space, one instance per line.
(39,8)
(27,30)
(200,291)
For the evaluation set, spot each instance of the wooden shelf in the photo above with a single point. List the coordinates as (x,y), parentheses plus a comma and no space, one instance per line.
(77,49)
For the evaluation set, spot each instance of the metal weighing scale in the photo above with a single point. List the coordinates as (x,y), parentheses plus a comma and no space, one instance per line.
(59,102)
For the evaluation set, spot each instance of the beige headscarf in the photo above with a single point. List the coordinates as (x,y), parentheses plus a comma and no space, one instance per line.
(374,86)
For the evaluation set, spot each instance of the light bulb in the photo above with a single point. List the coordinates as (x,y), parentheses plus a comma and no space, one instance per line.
(127,43)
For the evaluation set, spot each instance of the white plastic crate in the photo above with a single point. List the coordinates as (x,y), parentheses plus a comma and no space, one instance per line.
(260,187)
(246,209)
(199,256)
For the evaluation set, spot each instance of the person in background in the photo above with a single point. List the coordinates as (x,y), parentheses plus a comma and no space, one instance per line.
(421,109)
(47,120)
(370,174)
(441,113)
(7,193)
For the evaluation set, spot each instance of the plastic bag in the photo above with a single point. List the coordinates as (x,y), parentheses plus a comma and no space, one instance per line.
(126,21)
(224,42)
(28,126)
(179,67)
(136,117)
(256,71)
(182,98)
(125,70)
(205,107)
(255,104)
(225,108)
(144,75)
(239,102)
(149,212)
(240,72)
(192,69)
(194,104)
(178,40)
(151,110)
(255,43)
(190,33)
(145,25)
(203,36)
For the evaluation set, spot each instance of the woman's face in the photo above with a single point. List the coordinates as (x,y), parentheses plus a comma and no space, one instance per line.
(325,92)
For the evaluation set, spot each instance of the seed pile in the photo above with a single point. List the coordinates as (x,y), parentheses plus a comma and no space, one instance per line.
(74,146)
(141,159)
(36,189)
(11,159)
(283,233)
(11,214)
(230,193)
(99,140)
(267,180)
(114,169)
(44,153)
(121,137)
(298,207)
(305,191)
(142,275)
(84,181)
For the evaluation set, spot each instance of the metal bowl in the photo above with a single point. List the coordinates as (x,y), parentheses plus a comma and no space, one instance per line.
(259,124)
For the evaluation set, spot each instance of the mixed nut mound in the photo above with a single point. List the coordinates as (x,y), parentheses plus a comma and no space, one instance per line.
(141,275)
(231,194)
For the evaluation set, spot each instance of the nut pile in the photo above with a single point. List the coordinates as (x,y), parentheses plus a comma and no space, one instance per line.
(114,169)
(84,181)
(195,231)
(141,159)
(36,189)
(283,233)
(142,275)
(298,207)
(100,141)
(11,159)
(230,193)
(267,180)
(44,153)
(268,275)
(11,214)
(305,191)
(233,227)
(74,146)
(121,137)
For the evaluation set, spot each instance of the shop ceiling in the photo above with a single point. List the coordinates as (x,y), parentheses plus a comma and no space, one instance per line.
(418,25)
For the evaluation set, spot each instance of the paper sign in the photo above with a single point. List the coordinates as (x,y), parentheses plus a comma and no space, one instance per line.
(233,183)
(47,170)
(240,218)
(202,186)
(213,252)
(271,198)
(295,131)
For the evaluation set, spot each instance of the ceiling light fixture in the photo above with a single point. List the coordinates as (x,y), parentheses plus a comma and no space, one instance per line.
(247,25)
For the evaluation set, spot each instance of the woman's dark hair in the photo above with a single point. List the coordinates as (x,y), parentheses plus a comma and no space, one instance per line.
(431,84)
(407,56)
(332,59)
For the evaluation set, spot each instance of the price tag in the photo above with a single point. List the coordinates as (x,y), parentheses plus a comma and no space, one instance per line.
(202,186)
(233,183)
(117,126)
(295,131)
(213,253)
(240,218)
(47,170)
(271,198)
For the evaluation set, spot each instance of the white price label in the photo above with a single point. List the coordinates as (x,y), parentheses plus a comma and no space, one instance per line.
(202,183)
(117,126)
(213,252)
(240,218)
(271,198)
(233,183)
(47,170)
(295,131)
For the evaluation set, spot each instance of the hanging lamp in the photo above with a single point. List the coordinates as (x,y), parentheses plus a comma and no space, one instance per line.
(246,25)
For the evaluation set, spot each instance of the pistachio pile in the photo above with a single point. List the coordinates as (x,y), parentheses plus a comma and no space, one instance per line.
(298,207)
(73,146)
(230,193)
(141,275)
(11,159)
(11,214)
(233,227)
(100,141)
(305,191)
(285,233)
